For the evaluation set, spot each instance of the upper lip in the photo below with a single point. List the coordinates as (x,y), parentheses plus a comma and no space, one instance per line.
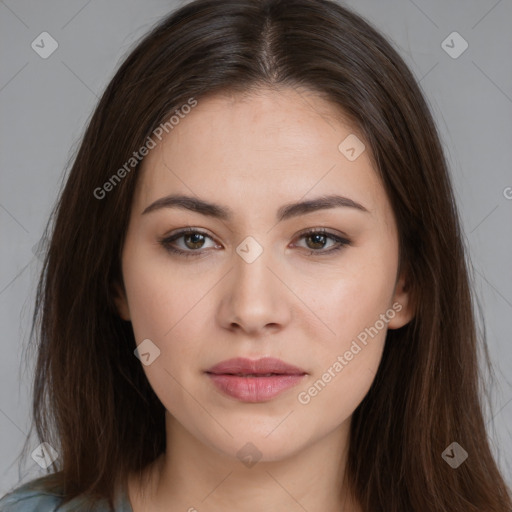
(240,365)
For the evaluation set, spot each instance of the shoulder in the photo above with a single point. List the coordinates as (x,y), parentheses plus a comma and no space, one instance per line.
(30,497)
(45,495)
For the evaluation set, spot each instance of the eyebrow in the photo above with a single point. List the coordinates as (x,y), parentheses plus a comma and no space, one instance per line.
(285,212)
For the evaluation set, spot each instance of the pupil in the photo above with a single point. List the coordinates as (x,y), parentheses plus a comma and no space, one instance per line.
(316,237)
(195,236)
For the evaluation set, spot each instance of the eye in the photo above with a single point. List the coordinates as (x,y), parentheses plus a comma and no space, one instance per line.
(194,242)
(318,238)
(193,239)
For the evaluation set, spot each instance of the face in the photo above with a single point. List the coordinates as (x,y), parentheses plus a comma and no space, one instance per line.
(314,286)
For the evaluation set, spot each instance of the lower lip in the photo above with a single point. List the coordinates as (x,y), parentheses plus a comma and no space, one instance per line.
(254,389)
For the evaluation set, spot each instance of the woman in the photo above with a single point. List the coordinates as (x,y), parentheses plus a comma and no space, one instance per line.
(255,296)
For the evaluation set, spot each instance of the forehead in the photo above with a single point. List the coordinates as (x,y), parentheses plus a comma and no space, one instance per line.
(280,144)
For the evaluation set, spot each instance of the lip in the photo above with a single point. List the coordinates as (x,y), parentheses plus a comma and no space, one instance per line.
(264,365)
(248,380)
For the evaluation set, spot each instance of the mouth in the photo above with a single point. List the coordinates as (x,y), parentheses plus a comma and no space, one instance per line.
(254,380)
(251,374)
(264,367)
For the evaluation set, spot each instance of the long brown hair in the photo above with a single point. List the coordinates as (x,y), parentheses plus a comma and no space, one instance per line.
(92,401)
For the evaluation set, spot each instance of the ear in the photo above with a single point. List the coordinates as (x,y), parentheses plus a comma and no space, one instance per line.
(402,304)
(121,301)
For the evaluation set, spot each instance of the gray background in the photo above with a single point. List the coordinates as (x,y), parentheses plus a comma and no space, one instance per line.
(45,104)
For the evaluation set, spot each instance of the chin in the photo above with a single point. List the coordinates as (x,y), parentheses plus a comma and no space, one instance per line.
(249,448)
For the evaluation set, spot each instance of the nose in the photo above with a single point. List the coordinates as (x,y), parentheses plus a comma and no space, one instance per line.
(255,298)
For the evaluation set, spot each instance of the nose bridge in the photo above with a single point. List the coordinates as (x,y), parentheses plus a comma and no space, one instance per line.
(252,278)
(255,297)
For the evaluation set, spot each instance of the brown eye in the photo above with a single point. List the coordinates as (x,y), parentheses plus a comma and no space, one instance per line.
(196,240)
(193,241)
(316,240)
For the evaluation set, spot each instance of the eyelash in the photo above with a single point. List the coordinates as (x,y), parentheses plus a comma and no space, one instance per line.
(166,242)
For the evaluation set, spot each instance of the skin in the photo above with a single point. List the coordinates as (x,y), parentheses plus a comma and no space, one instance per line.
(253,154)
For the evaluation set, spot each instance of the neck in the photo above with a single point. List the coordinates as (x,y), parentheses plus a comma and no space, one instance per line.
(192,476)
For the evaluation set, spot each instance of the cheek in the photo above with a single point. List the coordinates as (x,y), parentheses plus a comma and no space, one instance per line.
(158,297)
(347,361)
(168,308)
(353,304)
(356,308)
(354,296)
(333,396)
(163,308)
